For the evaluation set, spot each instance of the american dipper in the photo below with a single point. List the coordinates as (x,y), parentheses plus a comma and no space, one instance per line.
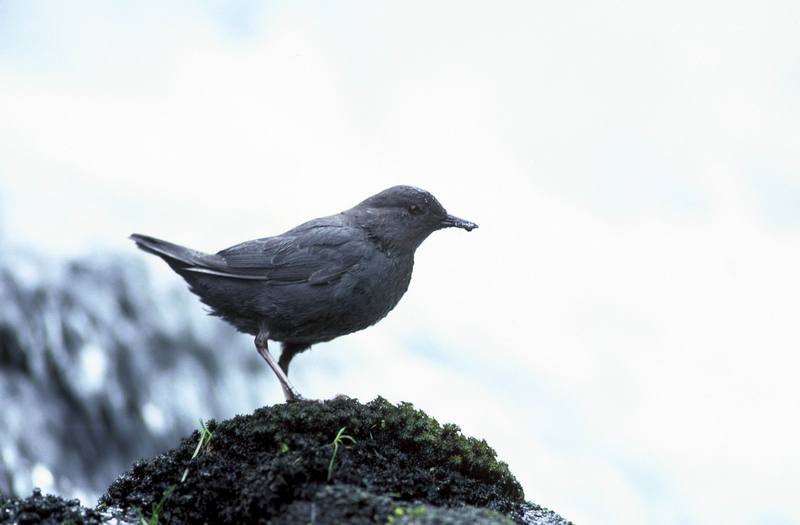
(325,278)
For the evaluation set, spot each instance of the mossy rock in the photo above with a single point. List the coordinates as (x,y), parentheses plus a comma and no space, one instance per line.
(394,465)
(278,466)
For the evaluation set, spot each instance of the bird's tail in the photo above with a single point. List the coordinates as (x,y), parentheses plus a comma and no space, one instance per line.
(175,255)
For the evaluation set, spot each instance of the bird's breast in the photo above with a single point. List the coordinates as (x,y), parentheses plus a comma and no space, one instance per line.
(361,298)
(373,290)
(382,285)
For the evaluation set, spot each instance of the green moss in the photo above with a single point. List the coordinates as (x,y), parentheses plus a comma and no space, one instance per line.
(276,463)
(410,511)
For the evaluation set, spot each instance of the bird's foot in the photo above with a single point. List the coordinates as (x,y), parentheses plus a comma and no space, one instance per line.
(291,394)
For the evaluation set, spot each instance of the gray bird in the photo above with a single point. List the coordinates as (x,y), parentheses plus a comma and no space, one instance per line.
(325,278)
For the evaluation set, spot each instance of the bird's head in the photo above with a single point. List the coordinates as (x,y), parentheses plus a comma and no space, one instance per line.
(401,217)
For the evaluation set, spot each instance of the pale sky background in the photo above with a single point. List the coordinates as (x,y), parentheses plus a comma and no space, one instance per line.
(624,326)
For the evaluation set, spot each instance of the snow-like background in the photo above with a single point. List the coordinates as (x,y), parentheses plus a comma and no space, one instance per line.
(624,327)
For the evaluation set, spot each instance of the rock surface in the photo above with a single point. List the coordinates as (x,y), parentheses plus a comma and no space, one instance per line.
(282,465)
(94,357)
(38,508)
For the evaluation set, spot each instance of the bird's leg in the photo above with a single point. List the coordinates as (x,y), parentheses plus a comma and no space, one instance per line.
(289,391)
(288,351)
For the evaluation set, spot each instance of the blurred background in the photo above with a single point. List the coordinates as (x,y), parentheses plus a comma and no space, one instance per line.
(623,327)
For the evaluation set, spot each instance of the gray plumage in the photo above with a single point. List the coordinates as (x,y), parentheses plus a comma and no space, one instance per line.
(325,278)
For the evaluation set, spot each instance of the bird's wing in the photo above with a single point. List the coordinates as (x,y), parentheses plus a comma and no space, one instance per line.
(315,254)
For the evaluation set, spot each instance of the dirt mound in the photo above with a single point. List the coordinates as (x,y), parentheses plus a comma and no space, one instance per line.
(323,463)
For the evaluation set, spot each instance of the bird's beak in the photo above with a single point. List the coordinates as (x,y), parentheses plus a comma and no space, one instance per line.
(452,221)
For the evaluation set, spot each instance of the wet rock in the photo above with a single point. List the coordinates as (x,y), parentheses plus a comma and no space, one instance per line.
(309,462)
(38,509)
(93,357)
(393,464)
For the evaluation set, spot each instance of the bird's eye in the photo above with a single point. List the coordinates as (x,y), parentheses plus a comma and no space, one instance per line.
(414,209)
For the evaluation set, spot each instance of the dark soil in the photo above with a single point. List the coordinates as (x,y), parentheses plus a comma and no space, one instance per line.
(279,465)
(37,508)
